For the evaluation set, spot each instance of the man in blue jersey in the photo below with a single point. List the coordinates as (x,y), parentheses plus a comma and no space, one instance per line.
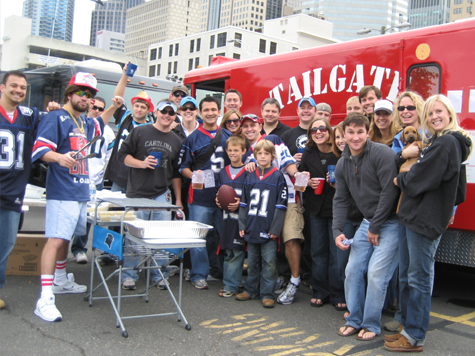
(61,135)
(196,155)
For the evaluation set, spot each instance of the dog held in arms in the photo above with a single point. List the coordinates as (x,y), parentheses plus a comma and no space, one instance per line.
(409,135)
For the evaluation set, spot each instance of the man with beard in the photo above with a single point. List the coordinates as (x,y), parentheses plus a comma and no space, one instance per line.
(60,134)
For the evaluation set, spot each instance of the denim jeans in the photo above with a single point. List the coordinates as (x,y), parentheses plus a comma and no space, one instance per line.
(349,231)
(232,269)
(200,261)
(145,215)
(416,270)
(366,303)
(261,270)
(9,221)
(326,284)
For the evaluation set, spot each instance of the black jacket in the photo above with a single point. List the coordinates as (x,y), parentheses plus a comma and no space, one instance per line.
(434,185)
(320,205)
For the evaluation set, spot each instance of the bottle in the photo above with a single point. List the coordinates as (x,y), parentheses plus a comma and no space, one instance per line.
(92,193)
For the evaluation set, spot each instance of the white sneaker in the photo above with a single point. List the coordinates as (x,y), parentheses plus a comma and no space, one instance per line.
(162,285)
(81,258)
(287,297)
(46,309)
(69,287)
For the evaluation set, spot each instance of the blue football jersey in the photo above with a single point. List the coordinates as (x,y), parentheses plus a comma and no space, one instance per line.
(16,142)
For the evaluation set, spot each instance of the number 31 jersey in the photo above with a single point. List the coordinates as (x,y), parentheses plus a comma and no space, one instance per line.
(16,141)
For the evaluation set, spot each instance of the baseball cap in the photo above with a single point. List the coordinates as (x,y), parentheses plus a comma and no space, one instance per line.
(144,97)
(163,104)
(182,88)
(83,79)
(383,105)
(324,107)
(251,117)
(308,99)
(188,99)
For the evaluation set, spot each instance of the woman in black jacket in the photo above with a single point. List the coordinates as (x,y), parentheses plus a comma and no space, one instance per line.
(317,156)
(431,189)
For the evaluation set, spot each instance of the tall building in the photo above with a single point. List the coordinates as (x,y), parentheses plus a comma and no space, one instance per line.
(246,14)
(424,13)
(349,16)
(110,17)
(461,9)
(156,21)
(46,14)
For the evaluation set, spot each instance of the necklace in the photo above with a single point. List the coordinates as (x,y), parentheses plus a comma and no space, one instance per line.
(80,128)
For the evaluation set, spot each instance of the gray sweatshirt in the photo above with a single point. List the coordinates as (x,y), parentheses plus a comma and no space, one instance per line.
(368,178)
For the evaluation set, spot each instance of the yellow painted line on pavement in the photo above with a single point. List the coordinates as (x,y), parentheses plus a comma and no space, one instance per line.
(207,322)
(256,321)
(243,336)
(293,351)
(222,326)
(321,344)
(293,334)
(241,317)
(273,325)
(274,347)
(318,354)
(343,350)
(308,339)
(362,353)
(241,328)
(463,319)
(257,341)
(280,331)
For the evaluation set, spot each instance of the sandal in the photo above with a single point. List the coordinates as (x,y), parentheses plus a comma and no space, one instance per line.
(316,304)
(362,338)
(346,315)
(226,294)
(341,307)
(342,333)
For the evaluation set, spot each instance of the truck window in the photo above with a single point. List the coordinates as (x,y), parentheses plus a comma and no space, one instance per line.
(214,88)
(424,79)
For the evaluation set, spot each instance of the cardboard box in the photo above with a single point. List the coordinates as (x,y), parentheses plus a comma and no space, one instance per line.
(25,258)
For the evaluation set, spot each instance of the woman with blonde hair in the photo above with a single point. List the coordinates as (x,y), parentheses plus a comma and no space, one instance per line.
(383,128)
(338,138)
(431,189)
(232,121)
(408,112)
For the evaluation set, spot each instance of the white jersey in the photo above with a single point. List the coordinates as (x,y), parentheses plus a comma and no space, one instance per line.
(97,166)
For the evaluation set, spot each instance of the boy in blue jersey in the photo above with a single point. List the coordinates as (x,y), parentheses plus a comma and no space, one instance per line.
(204,150)
(261,219)
(60,135)
(230,240)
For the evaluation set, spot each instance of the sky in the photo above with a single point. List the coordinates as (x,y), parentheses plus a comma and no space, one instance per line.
(82,17)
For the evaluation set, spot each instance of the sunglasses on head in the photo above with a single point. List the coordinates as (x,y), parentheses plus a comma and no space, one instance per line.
(191,108)
(169,112)
(321,128)
(235,121)
(409,108)
(179,94)
(97,108)
(81,93)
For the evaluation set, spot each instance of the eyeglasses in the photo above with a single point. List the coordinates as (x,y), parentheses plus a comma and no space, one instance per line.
(409,108)
(191,108)
(235,121)
(179,94)
(322,129)
(169,112)
(97,108)
(82,93)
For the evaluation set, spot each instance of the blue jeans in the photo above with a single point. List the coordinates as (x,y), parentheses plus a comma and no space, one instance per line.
(349,231)
(326,282)
(232,269)
(9,221)
(261,279)
(199,256)
(145,215)
(366,304)
(416,271)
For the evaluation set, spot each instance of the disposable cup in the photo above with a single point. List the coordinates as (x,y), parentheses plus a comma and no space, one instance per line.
(157,155)
(197,180)
(331,174)
(131,68)
(319,188)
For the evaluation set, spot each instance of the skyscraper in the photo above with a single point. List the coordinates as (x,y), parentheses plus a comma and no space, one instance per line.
(424,13)
(111,17)
(48,13)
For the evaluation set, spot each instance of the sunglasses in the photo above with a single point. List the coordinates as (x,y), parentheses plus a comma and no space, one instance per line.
(169,112)
(322,129)
(97,108)
(179,94)
(409,108)
(191,108)
(235,121)
(82,93)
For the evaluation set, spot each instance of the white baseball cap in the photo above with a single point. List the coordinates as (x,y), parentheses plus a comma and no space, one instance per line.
(383,105)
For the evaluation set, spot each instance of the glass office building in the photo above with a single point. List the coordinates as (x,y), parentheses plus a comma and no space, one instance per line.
(349,16)
(424,13)
(46,14)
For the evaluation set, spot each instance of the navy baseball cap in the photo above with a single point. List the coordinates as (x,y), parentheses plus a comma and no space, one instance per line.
(308,99)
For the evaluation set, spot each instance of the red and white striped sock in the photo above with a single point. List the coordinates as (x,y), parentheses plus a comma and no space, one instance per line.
(60,276)
(46,285)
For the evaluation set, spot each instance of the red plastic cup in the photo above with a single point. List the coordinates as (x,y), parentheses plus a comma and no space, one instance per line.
(319,189)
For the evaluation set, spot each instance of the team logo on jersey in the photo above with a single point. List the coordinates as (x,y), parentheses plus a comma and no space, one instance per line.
(301,141)
(25,111)
(63,118)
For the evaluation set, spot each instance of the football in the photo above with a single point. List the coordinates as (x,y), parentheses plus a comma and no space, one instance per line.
(226,195)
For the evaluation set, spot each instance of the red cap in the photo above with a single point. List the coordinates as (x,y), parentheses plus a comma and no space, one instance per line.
(144,96)
(83,79)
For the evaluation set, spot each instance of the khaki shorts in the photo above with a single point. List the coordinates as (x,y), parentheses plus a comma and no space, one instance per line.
(294,223)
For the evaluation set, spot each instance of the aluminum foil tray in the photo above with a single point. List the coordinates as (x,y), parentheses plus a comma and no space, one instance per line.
(167,229)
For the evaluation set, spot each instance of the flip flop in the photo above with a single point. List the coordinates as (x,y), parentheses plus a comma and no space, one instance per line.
(337,308)
(355,331)
(317,305)
(366,339)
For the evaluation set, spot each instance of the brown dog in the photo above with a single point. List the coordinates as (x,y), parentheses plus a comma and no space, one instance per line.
(409,136)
